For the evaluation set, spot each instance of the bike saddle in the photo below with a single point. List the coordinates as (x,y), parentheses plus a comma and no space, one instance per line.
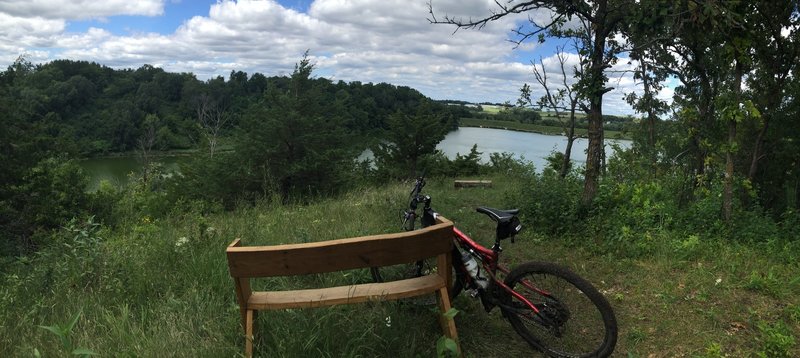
(501,216)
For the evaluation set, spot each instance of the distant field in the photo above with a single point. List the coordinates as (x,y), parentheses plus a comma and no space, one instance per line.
(534,128)
(552,115)
(494,109)
(491,109)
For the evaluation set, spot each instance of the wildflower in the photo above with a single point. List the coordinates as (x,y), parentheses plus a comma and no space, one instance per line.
(388,321)
(718,281)
(181,241)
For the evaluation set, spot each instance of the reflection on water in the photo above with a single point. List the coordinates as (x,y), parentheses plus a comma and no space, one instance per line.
(117,170)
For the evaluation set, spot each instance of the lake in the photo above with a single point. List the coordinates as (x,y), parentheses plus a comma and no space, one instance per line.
(116,170)
(532,147)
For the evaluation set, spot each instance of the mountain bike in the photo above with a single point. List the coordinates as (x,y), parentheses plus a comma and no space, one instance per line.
(408,218)
(553,309)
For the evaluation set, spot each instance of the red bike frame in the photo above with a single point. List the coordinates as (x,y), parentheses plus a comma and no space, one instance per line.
(489,259)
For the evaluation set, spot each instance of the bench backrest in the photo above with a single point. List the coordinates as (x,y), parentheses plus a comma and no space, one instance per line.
(339,255)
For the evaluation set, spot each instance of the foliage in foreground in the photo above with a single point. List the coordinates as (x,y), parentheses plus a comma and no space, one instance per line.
(154,281)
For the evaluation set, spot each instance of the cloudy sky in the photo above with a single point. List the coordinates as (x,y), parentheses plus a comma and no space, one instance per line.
(358,40)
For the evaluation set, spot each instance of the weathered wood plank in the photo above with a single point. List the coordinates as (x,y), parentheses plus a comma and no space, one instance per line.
(331,296)
(472,183)
(339,255)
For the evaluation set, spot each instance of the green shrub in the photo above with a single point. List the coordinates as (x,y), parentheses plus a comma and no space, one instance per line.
(104,201)
(505,163)
(54,192)
(555,161)
(552,203)
(776,340)
(467,164)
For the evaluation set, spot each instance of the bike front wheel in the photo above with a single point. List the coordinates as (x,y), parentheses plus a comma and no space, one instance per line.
(574,319)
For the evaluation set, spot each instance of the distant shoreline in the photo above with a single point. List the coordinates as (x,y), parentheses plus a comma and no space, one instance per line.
(532,128)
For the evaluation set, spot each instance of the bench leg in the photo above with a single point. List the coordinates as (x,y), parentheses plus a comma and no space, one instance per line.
(248,334)
(448,324)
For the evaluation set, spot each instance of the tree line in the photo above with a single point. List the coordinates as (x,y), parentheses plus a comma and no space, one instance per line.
(730,128)
(92,109)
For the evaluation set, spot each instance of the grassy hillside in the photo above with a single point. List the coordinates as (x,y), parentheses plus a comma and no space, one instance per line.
(160,287)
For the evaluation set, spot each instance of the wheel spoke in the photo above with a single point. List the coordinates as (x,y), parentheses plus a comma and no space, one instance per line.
(569,322)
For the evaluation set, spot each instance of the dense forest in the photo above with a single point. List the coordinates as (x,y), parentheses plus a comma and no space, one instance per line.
(90,109)
(63,110)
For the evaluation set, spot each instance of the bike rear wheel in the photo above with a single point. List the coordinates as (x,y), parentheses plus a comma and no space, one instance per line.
(574,319)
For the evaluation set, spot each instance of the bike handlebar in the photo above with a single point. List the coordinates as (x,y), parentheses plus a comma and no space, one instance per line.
(414,196)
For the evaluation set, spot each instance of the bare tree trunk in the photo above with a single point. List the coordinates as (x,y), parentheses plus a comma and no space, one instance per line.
(146,143)
(594,155)
(565,166)
(797,194)
(651,116)
(557,100)
(727,196)
(212,118)
(751,174)
(705,113)
(570,140)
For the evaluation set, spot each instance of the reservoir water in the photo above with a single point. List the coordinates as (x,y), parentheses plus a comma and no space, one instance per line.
(532,147)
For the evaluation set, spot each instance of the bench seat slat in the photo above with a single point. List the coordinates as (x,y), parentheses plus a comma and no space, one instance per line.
(275,300)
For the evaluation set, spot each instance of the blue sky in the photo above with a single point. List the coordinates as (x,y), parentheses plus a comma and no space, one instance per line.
(357,40)
(175,13)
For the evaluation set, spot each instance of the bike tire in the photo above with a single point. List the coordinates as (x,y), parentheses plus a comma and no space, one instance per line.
(575,321)
(458,275)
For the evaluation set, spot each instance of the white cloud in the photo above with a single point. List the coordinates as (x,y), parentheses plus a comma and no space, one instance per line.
(360,40)
(80,9)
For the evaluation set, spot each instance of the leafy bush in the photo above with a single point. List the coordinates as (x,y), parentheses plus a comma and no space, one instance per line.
(776,340)
(54,191)
(553,203)
(51,192)
(468,164)
(555,161)
(147,196)
(104,202)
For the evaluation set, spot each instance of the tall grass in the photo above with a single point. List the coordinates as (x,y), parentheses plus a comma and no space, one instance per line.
(151,286)
(160,286)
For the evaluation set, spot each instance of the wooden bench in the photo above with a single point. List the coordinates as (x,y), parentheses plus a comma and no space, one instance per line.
(472,183)
(338,255)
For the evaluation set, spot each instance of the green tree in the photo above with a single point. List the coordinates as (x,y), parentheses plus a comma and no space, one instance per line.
(294,142)
(773,91)
(408,138)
